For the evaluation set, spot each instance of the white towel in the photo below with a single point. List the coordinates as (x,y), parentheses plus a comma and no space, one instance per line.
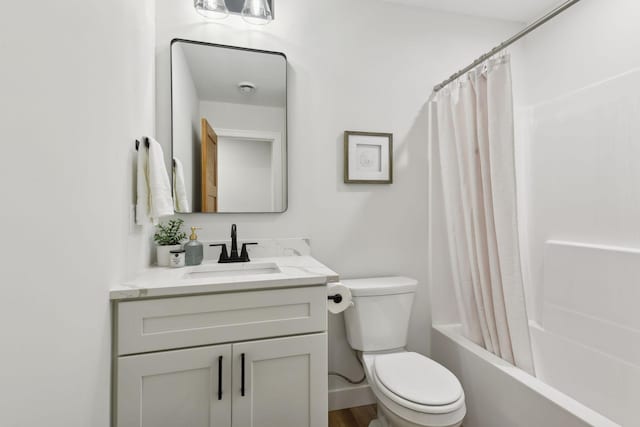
(154,190)
(180,200)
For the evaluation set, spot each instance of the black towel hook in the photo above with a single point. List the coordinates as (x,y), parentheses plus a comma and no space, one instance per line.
(146,142)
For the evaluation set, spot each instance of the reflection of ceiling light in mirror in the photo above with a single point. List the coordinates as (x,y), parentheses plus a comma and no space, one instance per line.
(246,88)
(257,12)
(211,9)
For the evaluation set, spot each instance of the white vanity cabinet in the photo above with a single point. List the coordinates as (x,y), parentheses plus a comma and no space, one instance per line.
(175,388)
(238,359)
(285,382)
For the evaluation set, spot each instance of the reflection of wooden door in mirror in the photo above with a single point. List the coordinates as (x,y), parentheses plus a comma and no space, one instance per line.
(209,168)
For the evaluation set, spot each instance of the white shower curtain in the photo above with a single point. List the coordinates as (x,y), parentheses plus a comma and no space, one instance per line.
(476,143)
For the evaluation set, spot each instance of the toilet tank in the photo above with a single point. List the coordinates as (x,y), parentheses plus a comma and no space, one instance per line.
(379,318)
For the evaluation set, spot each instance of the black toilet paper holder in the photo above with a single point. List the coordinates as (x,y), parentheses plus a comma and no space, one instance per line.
(337,298)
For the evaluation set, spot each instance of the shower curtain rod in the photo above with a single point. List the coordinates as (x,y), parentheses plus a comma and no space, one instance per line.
(549,16)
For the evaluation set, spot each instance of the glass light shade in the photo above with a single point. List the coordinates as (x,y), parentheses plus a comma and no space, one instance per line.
(211,9)
(257,12)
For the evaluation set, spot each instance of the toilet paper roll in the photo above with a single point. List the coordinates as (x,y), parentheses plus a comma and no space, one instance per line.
(335,289)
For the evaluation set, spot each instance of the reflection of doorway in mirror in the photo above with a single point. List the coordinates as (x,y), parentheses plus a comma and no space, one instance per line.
(250,168)
(209,156)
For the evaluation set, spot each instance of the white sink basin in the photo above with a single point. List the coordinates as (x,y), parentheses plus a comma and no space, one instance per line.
(232,270)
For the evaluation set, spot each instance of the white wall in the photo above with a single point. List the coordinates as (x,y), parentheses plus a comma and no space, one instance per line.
(579,175)
(186,125)
(357,65)
(77,87)
(579,181)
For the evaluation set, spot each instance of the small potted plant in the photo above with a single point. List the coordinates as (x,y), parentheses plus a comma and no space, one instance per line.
(168,238)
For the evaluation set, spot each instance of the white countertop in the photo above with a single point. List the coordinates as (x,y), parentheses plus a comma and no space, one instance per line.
(165,281)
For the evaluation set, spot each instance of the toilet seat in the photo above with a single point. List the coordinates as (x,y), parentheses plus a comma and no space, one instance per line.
(418,383)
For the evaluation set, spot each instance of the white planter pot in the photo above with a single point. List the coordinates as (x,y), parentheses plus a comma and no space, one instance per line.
(162,254)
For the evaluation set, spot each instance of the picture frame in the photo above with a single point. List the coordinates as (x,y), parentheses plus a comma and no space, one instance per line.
(368,157)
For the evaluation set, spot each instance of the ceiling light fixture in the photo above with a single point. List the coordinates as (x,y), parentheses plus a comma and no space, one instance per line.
(257,12)
(211,9)
(246,88)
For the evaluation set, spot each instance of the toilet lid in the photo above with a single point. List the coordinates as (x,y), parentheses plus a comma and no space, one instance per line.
(417,379)
(378,286)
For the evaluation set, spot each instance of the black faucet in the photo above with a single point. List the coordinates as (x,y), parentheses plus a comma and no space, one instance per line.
(225,257)
(234,241)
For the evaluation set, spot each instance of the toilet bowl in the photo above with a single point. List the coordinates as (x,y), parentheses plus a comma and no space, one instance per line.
(411,390)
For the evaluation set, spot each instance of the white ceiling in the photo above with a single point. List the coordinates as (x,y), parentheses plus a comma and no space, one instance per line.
(510,10)
(216,72)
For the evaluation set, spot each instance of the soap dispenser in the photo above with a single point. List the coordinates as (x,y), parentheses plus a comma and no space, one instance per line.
(193,249)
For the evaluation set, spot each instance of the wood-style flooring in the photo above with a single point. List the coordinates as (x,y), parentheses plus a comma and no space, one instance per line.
(353,417)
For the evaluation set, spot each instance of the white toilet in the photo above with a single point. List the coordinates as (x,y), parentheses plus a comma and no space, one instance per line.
(411,389)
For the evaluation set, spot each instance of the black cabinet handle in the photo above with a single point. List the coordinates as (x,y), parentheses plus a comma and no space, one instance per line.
(220,378)
(242,377)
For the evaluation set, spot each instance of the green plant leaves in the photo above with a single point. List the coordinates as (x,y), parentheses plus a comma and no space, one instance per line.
(170,234)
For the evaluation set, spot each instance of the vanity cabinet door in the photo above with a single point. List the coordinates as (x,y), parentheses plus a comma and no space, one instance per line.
(284,382)
(175,388)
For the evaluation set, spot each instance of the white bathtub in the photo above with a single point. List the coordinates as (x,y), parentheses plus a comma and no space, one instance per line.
(593,376)
(500,395)
(586,338)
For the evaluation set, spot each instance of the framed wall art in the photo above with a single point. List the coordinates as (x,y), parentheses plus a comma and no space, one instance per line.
(368,158)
